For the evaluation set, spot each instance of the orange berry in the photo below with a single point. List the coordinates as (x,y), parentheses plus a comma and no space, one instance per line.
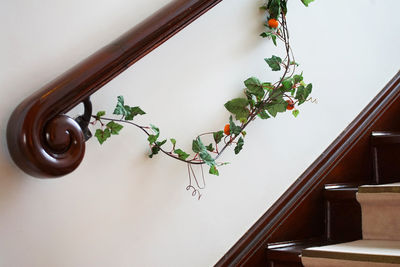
(227,129)
(273,23)
(290,105)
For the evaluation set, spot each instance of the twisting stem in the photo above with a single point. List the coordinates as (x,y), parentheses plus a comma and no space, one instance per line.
(143,128)
(283,35)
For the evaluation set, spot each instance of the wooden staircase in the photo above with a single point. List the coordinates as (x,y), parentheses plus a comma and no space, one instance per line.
(343,221)
(380,243)
(321,207)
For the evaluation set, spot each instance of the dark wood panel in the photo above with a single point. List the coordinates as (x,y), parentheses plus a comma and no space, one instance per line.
(299,212)
(343,213)
(288,253)
(388,163)
(344,221)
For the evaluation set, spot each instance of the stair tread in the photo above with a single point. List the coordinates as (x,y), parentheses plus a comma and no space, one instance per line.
(386,251)
(382,188)
(290,251)
(385,137)
(340,192)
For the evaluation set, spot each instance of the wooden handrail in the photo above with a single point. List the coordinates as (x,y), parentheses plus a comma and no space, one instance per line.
(42,140)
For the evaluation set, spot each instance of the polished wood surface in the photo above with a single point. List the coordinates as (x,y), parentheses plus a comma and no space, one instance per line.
(43,141)
(342,213)
(288,253)
(300,212)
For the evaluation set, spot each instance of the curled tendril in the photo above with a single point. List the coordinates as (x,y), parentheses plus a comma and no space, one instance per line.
(312,100)
(192,177)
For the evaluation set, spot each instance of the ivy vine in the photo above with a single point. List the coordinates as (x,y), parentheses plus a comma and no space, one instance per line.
(260,99)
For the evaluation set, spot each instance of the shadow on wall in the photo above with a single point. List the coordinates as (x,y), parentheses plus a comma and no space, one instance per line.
(11,177)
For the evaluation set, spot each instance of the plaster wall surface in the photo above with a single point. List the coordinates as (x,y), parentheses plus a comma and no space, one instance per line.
(120,208)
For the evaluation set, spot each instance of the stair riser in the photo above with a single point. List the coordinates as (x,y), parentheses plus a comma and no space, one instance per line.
(380,215)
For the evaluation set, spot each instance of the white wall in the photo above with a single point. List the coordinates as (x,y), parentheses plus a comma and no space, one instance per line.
(121,208)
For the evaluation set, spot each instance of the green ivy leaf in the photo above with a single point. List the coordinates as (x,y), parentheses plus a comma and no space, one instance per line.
(273,37)
(120,108)
(100,114)
(238,106)
(218,136)
(161,143)
(270,35)
(303,92)
(154,151)
(274,63)
(173,141)
(309,89)
(153,137)
(283,6)
(181,154)
(252,83)
(239,145)
(263,115)
(295,113)
(198,146)
(275,106)
(234,129)
(132,112)
(287,84)
(114,127)
(267,86)
(306,2)
(249,96)
(276,93)
(213,170)
(126,111)
(210,147)
(274,8)
(102,136)
(207,158)
(254,87)
(155,129)
(298,78)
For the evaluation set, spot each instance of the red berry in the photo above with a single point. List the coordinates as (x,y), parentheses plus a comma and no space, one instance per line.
(227,129)
(273,23)
(290,105)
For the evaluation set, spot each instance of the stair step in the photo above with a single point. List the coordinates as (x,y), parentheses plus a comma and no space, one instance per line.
(380,206)
(382,138)
(288,253)
(380,188)
(360,253)
(340,192)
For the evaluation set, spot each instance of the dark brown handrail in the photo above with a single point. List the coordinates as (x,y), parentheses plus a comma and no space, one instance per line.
(42,140)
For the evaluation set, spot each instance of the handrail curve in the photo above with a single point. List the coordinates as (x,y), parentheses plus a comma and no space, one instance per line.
(42,140)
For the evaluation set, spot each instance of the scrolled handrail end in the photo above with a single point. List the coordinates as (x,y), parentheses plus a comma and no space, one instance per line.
(45,148)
